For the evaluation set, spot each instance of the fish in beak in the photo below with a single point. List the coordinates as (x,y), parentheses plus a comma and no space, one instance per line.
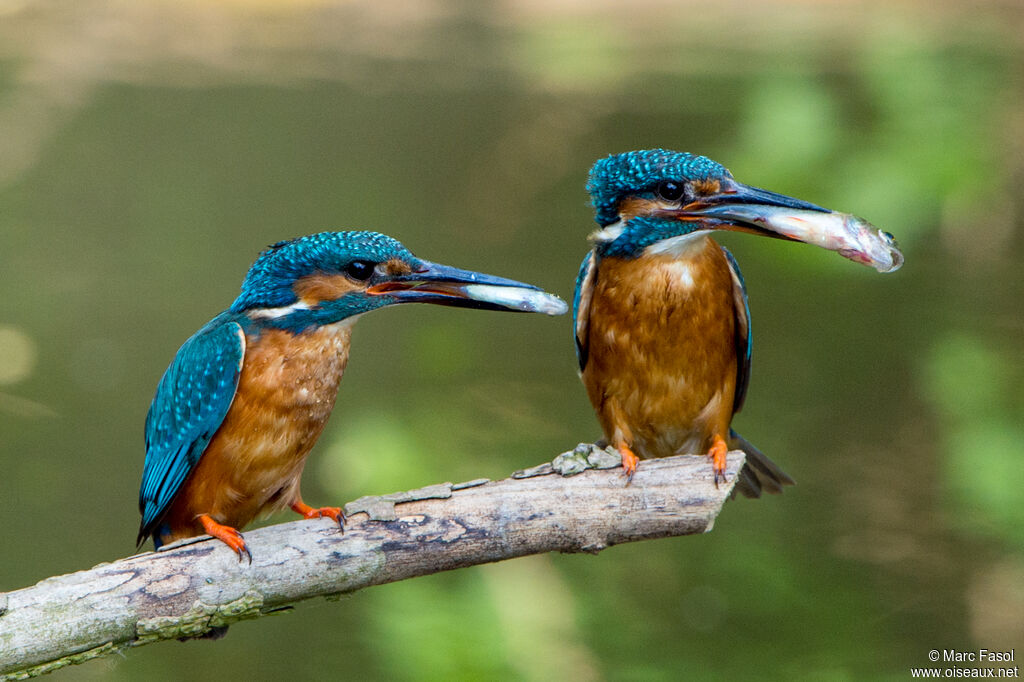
(445,285)
(741,208)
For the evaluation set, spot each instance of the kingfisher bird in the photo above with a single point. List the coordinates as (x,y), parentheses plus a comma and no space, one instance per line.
(661,317)
(247,396)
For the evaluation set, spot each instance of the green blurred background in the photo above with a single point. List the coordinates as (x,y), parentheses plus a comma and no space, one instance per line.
(149,150)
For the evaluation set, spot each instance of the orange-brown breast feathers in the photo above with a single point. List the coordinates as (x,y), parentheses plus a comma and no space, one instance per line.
(661,370)
(253,464)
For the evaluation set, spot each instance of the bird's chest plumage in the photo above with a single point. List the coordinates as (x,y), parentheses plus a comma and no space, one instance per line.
(285,395)
(289,382)
(662,350)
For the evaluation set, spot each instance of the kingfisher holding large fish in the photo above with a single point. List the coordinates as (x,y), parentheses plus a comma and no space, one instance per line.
(245,399)
(662,322)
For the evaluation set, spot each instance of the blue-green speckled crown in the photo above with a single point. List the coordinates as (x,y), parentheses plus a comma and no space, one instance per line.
(270,279)
(613,177)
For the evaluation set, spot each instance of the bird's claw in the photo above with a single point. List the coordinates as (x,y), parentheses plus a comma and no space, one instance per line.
(629,462)
(335,513)
(228,535)
(718,453)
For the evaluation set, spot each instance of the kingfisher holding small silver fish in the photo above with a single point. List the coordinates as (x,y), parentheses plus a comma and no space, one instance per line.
(245,399)
(662,322)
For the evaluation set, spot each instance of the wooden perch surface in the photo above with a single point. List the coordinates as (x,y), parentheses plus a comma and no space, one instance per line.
(198,585)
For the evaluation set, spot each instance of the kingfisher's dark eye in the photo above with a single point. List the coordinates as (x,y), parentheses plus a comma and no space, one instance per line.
(360,270)
(669,191)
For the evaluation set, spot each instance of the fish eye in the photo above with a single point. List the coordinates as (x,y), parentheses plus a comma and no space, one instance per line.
(669,190)
(360,270)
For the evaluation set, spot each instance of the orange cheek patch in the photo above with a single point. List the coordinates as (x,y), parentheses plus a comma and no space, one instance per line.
(396,267)
(706,187)
(631,207)
(314,289)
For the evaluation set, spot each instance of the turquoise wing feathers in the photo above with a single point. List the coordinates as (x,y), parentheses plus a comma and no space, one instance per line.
(191,402)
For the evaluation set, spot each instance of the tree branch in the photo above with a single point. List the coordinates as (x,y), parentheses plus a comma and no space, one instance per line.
(198,586)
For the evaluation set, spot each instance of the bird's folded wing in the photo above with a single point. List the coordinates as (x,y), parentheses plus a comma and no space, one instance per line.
(744,342)
(190,404)
(581,306)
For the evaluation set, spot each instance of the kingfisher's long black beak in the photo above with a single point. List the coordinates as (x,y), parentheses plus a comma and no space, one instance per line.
(742,208)
(445,285)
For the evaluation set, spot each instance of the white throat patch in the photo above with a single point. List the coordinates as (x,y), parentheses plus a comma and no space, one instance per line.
(609,233)
(274,313)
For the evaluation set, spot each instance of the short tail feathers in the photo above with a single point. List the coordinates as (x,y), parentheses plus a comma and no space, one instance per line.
(759,473)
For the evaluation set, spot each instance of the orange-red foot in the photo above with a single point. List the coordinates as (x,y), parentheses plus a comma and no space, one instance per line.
(717,454)
(335,513)
(629,461)
(226,534)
